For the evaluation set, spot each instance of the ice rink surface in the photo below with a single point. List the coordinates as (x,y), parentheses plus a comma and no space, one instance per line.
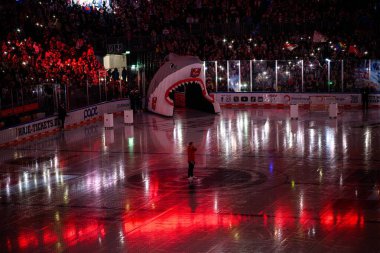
(264,183)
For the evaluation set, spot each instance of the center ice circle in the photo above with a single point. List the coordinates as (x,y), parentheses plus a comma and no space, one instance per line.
(205,178)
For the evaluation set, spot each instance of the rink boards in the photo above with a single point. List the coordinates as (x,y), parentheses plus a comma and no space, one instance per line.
(228,100)
(347,100)
(48,125)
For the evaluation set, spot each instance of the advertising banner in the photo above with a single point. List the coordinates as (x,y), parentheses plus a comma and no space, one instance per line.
(285,99)
(375,75)
(52,123)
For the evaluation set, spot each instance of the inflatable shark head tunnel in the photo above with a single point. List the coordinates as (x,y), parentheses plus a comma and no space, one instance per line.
(180,71)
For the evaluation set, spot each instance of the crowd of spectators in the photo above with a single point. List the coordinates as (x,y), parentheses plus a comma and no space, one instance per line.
(257,28)
(40,45)
(260,29)
(57,41)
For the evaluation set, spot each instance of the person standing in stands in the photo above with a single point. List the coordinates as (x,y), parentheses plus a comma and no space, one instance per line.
(109,75)
(62,114)
(191,160)
(115,74)
(124,74)
(365,97)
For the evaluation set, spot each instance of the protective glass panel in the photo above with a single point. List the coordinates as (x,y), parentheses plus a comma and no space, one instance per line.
(245,79)
(93,94)
(335,84)
(263,75)
(357,75)
(77,97)
(103,90)
(234,76)
(222,76)
(289,76)
(315,76)
(211,82)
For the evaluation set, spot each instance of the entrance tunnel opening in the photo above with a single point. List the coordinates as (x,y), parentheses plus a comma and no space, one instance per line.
(190,95)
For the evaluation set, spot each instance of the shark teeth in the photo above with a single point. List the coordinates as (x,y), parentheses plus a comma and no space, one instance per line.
(184,84)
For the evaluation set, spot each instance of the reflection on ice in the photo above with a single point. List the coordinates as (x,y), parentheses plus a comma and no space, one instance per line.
(109,136)
(126,188)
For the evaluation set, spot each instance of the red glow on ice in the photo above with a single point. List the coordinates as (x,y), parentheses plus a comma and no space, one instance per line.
(347,219)
(74,234)
(306,219)
(9,245)
(49,238)
(265,219)
(181,221)
(153,189)
(27,240)
(283,217)
(328,219)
